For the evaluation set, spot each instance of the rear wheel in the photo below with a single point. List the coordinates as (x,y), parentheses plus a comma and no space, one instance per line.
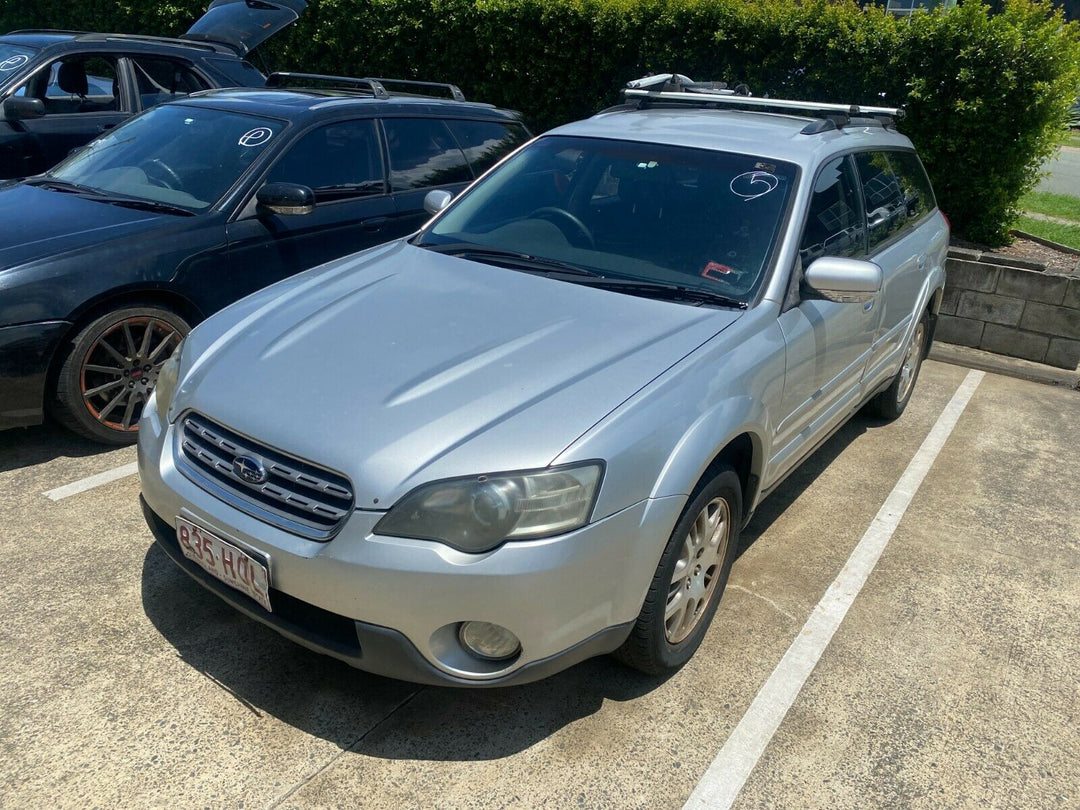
(111,370)
(689,580)
(891,402)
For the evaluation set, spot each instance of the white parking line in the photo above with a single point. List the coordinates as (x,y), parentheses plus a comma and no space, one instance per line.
(92,481)
(728,773)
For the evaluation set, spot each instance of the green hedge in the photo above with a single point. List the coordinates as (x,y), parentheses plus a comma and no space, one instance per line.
(986,95)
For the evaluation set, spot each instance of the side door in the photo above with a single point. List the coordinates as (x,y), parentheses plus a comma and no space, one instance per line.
(84,95)
(898,198)
(827,343)
(342,163)
(423,155)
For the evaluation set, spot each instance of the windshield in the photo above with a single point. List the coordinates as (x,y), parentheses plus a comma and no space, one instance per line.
(178,155)
(695,218)
(13,60)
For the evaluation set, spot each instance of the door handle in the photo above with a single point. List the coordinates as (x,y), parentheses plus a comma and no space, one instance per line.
(373,223)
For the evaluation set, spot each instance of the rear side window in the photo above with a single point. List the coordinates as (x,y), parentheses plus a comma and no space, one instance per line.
(834,223)
(423,154)
(915,185)
(485,143)
(160,80)
(883,194)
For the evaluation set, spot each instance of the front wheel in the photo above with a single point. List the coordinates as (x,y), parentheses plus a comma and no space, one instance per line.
(891,402)
(111,370)
(689,580)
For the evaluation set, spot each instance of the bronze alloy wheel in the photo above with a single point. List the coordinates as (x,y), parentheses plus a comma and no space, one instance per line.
(111,371)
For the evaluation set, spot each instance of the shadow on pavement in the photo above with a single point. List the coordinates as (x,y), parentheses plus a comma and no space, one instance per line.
(25,447)
(328,699)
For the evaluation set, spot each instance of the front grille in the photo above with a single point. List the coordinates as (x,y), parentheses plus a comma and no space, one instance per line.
(296,496)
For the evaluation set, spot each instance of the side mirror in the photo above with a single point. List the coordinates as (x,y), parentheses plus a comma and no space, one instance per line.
(847,281)
(436,200)
(285,199)
(21,108)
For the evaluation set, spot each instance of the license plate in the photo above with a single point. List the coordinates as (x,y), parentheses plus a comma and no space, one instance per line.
(225,561)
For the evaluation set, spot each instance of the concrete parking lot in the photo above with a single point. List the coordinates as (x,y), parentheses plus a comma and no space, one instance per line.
(953,680)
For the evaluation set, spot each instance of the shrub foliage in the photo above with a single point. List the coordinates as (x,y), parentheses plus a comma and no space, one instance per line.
(986,95)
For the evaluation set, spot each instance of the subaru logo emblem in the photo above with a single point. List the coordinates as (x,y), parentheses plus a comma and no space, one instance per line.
(250,469)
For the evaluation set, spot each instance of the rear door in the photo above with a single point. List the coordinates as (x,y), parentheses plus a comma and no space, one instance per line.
(342,163)
(423,155)
(898,199)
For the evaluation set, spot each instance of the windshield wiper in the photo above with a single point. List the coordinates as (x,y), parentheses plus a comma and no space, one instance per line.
(512,258)
(665,291)
(98,195)
(59,185)
(141,204)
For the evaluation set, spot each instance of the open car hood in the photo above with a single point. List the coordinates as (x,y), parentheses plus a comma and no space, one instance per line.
(244,24)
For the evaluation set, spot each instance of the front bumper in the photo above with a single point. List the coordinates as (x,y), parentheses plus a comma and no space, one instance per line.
(391,606)
(25,353)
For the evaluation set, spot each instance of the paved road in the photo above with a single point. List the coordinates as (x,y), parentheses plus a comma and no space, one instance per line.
(952,681)
(1064,173)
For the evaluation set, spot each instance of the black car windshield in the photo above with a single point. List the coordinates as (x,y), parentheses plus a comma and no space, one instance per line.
(13,60)
(179,155)
(695,218)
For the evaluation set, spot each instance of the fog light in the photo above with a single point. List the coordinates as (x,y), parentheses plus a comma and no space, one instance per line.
(489,641)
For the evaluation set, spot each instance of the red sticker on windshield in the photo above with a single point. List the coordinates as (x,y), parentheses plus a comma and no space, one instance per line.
(715,271)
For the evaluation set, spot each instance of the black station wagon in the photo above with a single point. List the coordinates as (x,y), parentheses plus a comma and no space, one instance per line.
(109,259)
(60,89)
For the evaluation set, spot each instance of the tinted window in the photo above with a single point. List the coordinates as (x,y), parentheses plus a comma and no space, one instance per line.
(886,211)
(485,143)
(643,211)
(161,80)
(336,161)
(834,224)
(176,154)
(918,196)
(423,153)
(76,84)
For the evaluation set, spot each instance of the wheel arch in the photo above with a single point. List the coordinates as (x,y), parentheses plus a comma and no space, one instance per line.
(96,307)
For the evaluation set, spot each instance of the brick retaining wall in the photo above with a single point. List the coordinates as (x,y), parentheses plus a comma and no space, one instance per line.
(1000,305)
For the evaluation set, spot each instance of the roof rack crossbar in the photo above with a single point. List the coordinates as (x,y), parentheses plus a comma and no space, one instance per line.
(681,89)
(375,86)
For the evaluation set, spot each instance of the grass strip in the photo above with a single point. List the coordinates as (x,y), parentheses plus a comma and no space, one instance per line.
(1055,232)
(1062,206)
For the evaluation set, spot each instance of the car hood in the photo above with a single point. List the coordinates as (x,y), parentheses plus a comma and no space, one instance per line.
(38,223)
(399,366)
(243,25)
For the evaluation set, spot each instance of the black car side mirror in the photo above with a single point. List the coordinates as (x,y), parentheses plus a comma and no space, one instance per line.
(21,108)
(285,199)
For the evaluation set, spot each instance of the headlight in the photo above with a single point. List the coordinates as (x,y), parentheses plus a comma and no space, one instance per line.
(165,387)
(476,514)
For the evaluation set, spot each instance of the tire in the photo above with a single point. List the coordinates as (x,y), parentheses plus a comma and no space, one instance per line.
(110,371)
(667,632)
(891,402)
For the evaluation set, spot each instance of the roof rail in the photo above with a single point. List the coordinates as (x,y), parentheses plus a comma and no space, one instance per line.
(186,43)
(679,89)
(377,87)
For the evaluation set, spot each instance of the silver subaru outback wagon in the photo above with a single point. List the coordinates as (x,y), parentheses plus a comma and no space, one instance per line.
(531,432)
